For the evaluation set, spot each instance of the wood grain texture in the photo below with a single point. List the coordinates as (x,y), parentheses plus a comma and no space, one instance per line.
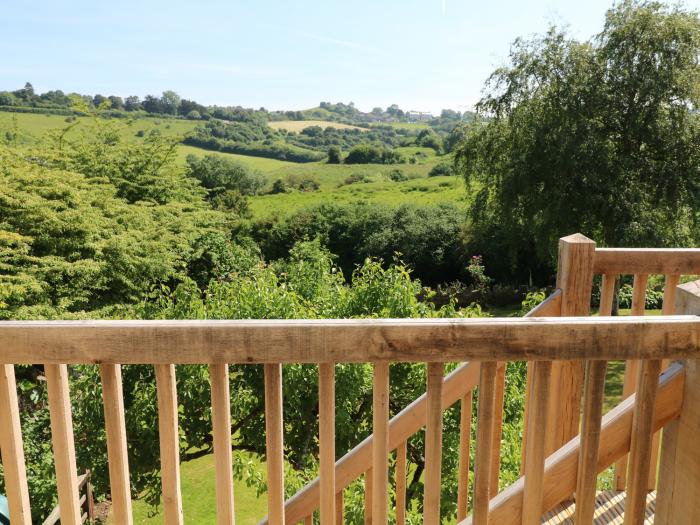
(63,443)
(642,435)
(117,455)
(402,426)
(326,409)
(369,492)
(223,459)
(560,468)
(401,484)
(433,446)
(484,443)
(498,428)
(166,387)
(550,307)
(380,446)
(465,431)
(11,447)
(535,448)
(661,261)
(339,508)
(679,469)
(575,280)
(315,341)
(631,369)
(593,392)
(274,438)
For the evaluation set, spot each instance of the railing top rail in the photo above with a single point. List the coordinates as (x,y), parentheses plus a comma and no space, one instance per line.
(668,261)
(356,340)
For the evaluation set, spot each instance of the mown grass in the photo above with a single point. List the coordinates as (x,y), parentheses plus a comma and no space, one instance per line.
(199,496)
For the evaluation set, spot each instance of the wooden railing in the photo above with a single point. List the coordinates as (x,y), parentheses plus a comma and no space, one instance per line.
(555,346)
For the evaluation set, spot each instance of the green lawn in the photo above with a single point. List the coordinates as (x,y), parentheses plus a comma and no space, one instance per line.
(199,497)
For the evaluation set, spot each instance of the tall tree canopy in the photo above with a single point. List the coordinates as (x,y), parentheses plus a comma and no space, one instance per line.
(601,136)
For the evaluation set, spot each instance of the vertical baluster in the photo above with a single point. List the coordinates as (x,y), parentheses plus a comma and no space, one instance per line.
(169,443)
(63,443)
(380,445)
(326,408)
(275,443)
(339,507)
(221,425)
(465,430)
(535,444)
(484,442)
(115,427)
(593,391)
(309,520)
(528,390)
(11,447)
(640,448)
(401,484)
(497,428)
(433,445)
(638,303)
(369,490)
(668,308)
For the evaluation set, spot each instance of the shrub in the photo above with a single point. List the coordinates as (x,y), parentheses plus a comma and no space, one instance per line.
(442,169)
(397,175)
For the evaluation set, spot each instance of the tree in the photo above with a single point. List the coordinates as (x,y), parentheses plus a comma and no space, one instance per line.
(600,137)
(218,174)
(132,103)
(116,102)
(170,102)
(99,100)
(334,156)
(152,104)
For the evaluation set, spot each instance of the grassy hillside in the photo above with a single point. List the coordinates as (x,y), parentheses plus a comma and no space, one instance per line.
(337,183)
(299,125)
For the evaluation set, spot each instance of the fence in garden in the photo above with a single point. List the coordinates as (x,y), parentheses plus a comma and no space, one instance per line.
(568,440)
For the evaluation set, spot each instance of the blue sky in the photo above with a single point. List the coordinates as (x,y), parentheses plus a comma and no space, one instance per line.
(420,54)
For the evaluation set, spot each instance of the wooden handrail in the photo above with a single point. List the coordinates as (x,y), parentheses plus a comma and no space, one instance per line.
(660,261)
(317,341)
(561,467)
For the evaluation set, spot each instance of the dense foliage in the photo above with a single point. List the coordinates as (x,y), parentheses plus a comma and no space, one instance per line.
(428,238)
(600,137)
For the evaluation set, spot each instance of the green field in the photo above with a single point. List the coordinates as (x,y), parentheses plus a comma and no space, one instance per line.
(199,496)
(372,181)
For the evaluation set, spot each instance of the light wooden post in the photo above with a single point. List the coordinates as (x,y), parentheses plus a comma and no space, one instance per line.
(221,426)
(537,430)
(115,427)
(465,430)
(369,490)
(433,446)
(484,442)
(631,369)
(401,484)
(498,428)
(169,443)
(380,448)
(63,443)
(326,409)
(678,501)
(12,449)
(274,436)
(575,280)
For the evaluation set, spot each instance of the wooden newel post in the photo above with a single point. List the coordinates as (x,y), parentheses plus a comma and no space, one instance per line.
(679,473)
(575,280)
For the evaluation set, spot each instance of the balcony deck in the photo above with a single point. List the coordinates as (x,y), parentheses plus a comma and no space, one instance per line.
(609,509)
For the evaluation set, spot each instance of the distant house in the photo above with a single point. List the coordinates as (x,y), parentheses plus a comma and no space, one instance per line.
(419,115)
